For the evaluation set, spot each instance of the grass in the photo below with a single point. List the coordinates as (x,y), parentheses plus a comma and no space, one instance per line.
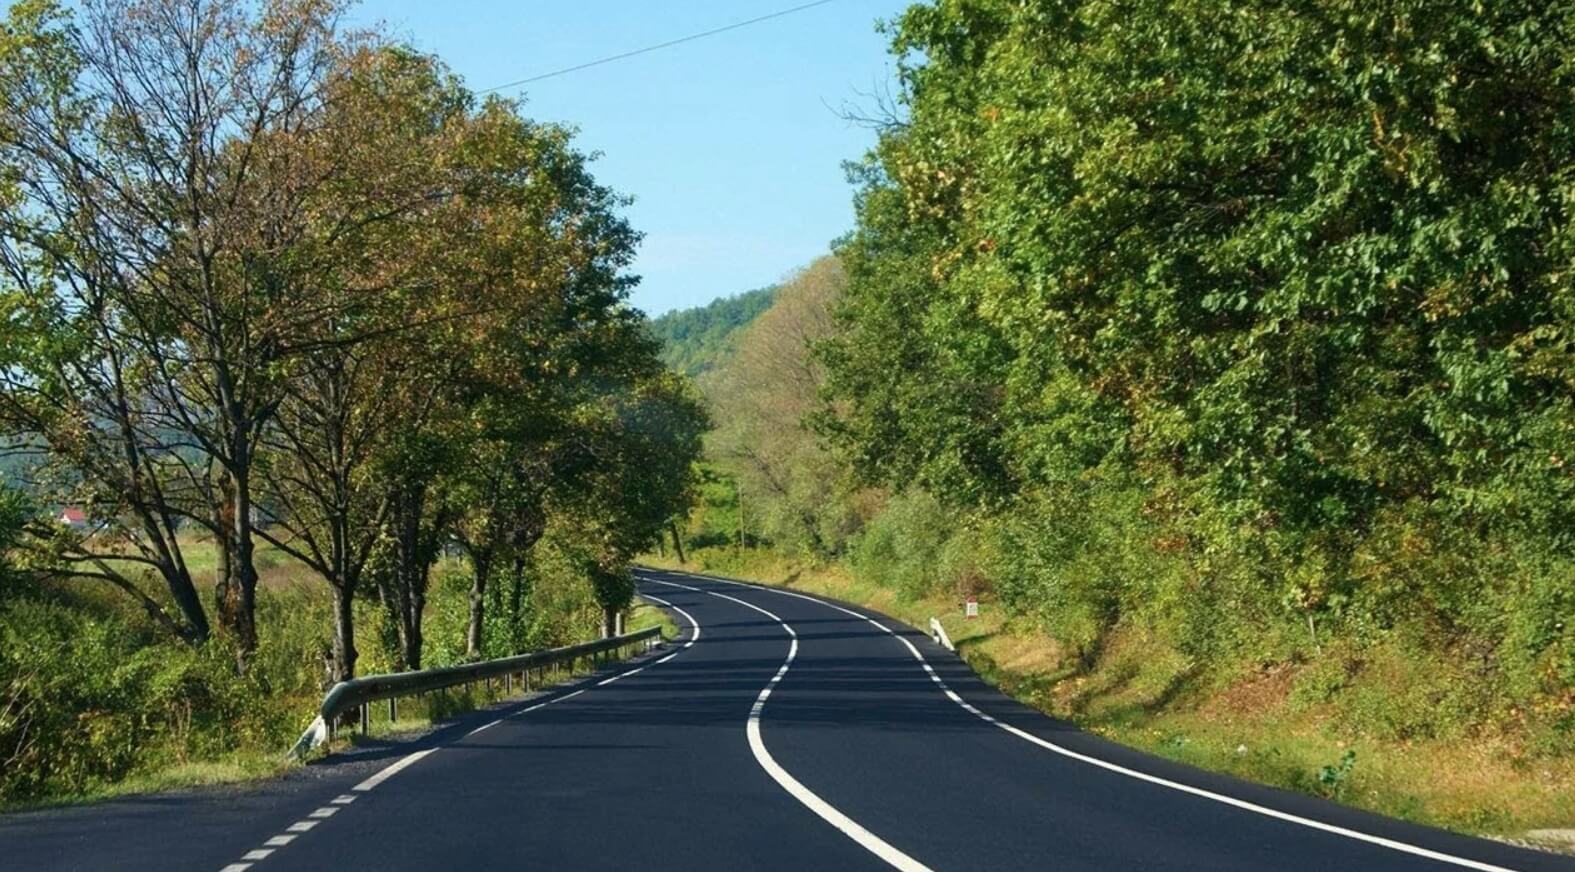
(235,769)
(1252,724)
(275,568)
(252,763)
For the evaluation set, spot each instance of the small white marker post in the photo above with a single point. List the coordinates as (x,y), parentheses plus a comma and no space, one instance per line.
(971,610)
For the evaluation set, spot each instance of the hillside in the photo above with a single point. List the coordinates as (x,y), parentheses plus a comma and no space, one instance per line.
(695,341)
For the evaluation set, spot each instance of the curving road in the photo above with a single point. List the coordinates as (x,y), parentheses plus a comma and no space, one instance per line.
(782,732)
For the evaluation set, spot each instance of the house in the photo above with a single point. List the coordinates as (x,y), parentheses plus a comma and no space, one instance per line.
(73,517)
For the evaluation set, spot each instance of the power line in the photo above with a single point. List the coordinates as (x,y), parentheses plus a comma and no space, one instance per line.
(650,48)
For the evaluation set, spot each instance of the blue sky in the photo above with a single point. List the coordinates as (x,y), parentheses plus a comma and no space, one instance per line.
(729,144)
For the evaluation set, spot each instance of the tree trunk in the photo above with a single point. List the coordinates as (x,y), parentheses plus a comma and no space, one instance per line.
(481,564)
(678,542)
(224,604)
(244,566)
(611,622)
(344,634)
(412,564)
(516,605)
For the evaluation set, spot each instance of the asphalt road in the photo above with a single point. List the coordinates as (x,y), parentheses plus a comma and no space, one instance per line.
(782,733)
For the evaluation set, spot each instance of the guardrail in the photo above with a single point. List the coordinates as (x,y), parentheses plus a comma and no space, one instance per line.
(362,692)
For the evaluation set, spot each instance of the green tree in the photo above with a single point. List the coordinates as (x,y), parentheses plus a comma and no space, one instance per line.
(761,398)
(1286,271)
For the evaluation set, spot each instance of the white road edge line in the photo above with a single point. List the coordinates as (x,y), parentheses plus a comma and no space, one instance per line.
(849,827)
(1392,844)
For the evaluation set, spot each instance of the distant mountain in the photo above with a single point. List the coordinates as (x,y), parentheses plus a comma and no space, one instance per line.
(695,341)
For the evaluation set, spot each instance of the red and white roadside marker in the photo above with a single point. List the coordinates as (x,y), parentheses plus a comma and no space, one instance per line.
(971,608)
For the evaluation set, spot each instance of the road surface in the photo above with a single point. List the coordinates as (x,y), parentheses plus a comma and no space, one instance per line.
(781,732)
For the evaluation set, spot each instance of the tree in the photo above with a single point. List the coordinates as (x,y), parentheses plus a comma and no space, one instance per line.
(642,446)
(762,397)
(532,277)
(1284,271)
(360,382)
(164,156)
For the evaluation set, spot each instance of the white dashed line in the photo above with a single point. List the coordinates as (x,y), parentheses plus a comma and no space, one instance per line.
(319,815)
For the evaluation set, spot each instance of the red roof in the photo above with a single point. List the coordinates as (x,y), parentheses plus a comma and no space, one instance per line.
(73,515)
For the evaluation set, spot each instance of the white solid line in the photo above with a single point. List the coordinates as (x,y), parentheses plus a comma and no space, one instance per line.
(391,770)
(607,681)
(694,624)
(300,826)
(1403,847)
(259,854)
(485,726)
(279,841)
(828,813)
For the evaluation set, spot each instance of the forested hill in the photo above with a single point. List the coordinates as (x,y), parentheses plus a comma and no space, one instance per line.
(697,340)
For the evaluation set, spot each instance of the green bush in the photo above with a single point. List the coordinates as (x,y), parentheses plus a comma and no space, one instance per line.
(902,547)
(92,697)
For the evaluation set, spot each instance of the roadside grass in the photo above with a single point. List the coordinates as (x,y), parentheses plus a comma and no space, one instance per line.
(1252,723)
(234,769)
(165,743)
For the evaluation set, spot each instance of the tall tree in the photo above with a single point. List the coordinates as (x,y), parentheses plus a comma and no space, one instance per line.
(163,163)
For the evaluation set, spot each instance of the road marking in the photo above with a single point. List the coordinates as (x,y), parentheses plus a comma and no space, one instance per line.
(279,841)
(848,826)
(391,770)
(344,799)
(1334,829)
(236,867)
(694,624)
(326,811)
(487,726)
(259,854)
(300,826)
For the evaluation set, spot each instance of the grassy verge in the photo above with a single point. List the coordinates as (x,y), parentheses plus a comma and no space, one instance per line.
(103,706)
(1251,724)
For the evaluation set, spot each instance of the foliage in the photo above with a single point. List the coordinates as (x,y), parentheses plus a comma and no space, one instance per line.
(761,397)
(696,341)
(1195,310)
